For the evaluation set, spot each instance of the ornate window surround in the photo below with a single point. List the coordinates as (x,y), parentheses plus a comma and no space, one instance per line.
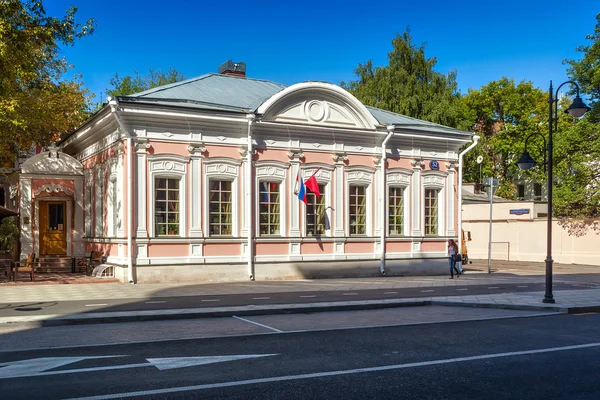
(434,180)
(112,189)
(227,169)
(359,176)
(271,171)
(89,202)
(324,177)
(399,177)
(169,166)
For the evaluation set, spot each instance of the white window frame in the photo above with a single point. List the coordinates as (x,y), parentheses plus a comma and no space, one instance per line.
(323,178)
(398,178)
(271,171)
(169,166)
(222,169)
(434,180)
(360,176)
(113,198)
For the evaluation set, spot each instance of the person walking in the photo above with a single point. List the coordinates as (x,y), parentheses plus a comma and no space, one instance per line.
(452,252)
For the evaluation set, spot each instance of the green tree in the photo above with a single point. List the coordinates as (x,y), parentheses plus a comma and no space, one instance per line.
(577,143)
(409,85)
(123,86)
(504,114)
(37,104)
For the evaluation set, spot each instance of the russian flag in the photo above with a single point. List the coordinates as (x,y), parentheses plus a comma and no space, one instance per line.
(300,189)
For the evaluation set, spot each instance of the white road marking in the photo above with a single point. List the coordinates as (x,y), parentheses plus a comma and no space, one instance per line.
(349,294)
(334,373)
(492,287)
(211,300)
(20,369)
(260,298)
(523,286)
(256,323)
(312,295)
(95,305)
(390,292)
(155,302)
(462,289)
(426,291)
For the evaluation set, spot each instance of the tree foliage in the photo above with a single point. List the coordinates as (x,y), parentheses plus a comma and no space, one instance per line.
(503,115)
(408,85)
(123,86)
(37,104)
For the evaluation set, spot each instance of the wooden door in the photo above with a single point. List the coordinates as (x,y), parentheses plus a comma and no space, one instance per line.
(53,228)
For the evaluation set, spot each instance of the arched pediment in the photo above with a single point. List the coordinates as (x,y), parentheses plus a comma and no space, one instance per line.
(52,162)
(317,103)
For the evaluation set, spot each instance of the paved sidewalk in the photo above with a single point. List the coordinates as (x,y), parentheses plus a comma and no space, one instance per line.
(573,301)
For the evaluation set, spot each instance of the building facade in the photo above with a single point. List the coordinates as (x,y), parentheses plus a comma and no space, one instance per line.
(198,181)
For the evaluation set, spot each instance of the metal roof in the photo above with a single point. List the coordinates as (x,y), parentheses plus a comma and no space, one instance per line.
(230,92)
(233,93)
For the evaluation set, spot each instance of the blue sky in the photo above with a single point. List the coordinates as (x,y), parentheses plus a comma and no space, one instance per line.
(290,42)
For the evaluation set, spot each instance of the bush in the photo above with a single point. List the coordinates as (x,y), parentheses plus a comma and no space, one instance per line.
(8,232)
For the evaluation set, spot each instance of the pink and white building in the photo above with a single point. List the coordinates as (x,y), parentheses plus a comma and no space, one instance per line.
(194,181)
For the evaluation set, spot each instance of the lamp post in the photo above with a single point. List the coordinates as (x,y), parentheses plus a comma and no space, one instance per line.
(577,109)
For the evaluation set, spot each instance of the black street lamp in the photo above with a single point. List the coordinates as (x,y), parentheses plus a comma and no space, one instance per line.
(576,110)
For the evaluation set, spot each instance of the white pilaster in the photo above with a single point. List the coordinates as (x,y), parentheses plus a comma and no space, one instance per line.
(99,201)
(417,208)
(78,245)
(25,215)
(339,193)
(294,156)
(245,166)
(120,190)
(196,189)
(380,203)
(450,166)
(141,192)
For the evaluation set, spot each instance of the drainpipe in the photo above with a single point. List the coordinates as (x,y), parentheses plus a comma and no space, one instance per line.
(114,109)
(460,166)
(382,197)
(249,202)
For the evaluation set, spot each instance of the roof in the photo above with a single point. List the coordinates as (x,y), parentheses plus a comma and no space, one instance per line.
(227,92)
(214,90)
(483,197)
(5,212)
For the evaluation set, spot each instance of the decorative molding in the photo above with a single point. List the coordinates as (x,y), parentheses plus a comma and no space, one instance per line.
(167,166)
(198,148)
(417,163)
(433,180)
(377,160)
(53,188)
(271,172)
(339,157)
(451,165)
(295,154)
(317,145)
(167,134)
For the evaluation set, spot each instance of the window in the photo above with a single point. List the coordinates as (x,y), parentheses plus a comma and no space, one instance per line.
(269,208)
(2,196)
(537,191)
(315,212)
(520,191)
(219,208)
(166,207)
(431,211)
(358,210)
(88,204)
(396,211)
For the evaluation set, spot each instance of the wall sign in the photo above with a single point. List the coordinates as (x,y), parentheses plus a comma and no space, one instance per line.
(434,164)
(520,211)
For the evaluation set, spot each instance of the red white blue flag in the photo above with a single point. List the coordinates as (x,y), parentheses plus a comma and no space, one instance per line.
(300,190)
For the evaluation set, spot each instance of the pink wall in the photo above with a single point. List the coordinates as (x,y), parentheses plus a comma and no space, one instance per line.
(398,247)
(272,155)
(222,249)
(399,163)
(38,183)
(271,248)
(315,248)
(433,246)
(168,148)
(360,247)
(166,250)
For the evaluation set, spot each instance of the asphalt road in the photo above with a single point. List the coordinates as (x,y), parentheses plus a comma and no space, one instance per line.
(550,357)
(224,300)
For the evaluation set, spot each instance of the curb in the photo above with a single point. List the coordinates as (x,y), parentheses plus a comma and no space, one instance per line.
(273,309)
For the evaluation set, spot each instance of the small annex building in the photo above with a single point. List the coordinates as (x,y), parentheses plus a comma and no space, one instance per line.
(198,181)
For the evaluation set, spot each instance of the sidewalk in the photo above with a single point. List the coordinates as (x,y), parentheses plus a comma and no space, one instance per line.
(567,301)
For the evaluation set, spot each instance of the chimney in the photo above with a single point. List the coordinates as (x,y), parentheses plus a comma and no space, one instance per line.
(231,68)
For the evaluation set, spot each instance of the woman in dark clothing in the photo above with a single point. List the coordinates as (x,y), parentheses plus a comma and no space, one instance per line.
(452,251)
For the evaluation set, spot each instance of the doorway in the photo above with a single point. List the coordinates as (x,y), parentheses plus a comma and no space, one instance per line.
(53,228)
